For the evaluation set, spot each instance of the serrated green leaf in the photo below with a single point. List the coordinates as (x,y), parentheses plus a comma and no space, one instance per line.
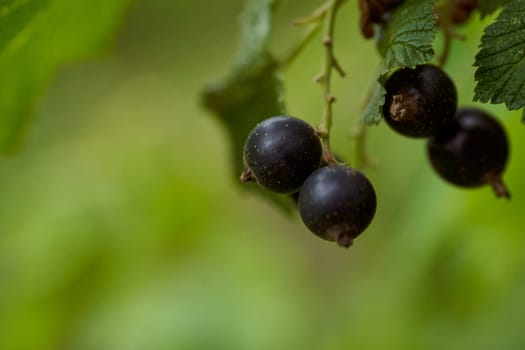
(501,60)
(253,91)
(486,7)
(373,110)
(36,38)
(408,35)
(406,41)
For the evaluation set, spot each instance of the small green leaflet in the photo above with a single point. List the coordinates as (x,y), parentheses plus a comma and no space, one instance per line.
(406,41)
(408,36)
(372,113)
(37,37)
(253,90)
(501,60)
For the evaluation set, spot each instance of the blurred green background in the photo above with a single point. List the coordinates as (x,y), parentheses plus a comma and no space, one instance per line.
(123,228)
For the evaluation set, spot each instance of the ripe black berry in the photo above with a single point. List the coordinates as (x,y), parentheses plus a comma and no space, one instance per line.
(280,153)
(295,195)
(337,203)
(419,102)
(472,152)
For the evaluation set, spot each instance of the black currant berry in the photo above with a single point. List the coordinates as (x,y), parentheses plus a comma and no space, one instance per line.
(337,203)
(472,152)
(295,195)
(280,153)
(419,102)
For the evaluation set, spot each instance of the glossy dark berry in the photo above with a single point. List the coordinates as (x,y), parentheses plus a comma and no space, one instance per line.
(419,102)
(280,153)
(337,203)
(472,152)
(295,195)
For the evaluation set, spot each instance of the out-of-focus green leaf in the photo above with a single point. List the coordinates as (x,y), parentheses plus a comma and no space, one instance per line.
(408,35)
(253,91)
(405,41)
(16,15)
(501,60)
(256,21)
(36,38)
(486,7)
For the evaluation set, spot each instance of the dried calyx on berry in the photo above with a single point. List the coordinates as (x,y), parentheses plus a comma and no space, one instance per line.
(419,102)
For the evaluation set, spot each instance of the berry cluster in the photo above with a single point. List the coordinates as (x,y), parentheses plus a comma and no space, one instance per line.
(466,146)
(284,155)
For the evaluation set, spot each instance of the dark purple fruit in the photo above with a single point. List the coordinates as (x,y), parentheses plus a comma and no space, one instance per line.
(295,195)
(280,153)
(419,102)
(472,152)
(337,203)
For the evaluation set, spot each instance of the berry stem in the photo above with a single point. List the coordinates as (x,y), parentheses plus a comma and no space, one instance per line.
(325,77)
(316,16)
(344,240)
(361,158)
(247,175)
(499,187)
(444,12)
(295,51)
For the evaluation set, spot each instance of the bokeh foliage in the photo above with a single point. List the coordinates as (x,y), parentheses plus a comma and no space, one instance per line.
(37,37)
(121,227)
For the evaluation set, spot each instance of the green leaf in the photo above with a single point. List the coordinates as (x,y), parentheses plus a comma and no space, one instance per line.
(501,60)
(253,90)
(36,38)
(407,38)
(486,7)
(373,110)
(256,21)
(15,16)
(406,41)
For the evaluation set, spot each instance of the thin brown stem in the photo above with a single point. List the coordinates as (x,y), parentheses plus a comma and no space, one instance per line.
(445,51)
(316,16)
(362,159)
(295,51)
(325,78)
(499,187)
(444,11)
